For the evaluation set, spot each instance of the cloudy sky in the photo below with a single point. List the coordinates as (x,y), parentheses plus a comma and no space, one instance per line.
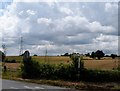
(59,27)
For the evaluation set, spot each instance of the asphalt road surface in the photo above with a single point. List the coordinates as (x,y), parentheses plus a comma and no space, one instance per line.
(9,85)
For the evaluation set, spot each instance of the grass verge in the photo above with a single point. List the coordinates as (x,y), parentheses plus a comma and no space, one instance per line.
(13,75)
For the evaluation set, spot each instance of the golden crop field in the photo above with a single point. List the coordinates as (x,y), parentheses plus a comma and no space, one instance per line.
(106,63)
(103,64)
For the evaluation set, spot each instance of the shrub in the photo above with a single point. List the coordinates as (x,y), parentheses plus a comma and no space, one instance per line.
(10,61)
(100,76)
(30,68)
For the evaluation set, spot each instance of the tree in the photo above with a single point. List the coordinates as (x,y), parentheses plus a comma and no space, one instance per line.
(99,54)
(92,55)
(66,54)
(88,54)
(2,56)
(35,55)
(113,56)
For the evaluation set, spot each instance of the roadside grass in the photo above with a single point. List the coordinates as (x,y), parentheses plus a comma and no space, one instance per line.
(11,74)
(14,75)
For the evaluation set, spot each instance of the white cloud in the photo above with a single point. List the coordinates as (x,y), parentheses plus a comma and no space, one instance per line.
(31,12)
(106,38)
(111,7)
(44,21)
(66,11)
(97,27)
(60,28)
(9,27)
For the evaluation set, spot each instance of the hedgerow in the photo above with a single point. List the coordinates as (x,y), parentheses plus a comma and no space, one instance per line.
(32,69)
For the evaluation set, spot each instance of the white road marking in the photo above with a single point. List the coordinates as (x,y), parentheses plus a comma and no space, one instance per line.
(39,88)
(13,88)
(27,87)
(33,87)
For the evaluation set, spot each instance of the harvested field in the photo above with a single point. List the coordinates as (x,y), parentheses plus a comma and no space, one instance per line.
(101,64)
(12,65)
(106,63)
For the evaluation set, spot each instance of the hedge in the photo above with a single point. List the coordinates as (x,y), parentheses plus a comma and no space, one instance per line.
(32,69)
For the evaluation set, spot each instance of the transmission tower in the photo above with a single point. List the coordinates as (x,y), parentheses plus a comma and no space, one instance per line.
(21,46)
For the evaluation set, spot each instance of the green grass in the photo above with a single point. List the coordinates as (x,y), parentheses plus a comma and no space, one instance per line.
(10,74)
(52,59)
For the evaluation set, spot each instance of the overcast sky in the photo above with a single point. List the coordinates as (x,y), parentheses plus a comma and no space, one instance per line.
(59,27)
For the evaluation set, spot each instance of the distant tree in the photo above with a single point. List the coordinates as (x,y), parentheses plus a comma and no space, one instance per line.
(35,55)
(113,56)
(92,55)
(88,54)
(99,54)
(66,54)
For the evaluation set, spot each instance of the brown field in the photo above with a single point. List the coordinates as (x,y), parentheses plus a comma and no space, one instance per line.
(105,63)
(13,65)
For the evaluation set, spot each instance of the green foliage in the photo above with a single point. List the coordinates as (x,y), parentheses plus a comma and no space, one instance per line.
(75,62)
(113,56)
(30,68)
(92,55)
(10,61)
(118,68)
(99,54)
(100,76)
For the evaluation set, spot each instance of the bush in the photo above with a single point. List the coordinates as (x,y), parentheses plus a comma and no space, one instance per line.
(30,68)
(10,61)
(118,68)
(100,76)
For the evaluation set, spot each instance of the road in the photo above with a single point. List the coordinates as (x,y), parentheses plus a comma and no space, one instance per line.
(9,85)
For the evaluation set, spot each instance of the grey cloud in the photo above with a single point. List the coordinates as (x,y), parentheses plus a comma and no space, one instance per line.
(41,24)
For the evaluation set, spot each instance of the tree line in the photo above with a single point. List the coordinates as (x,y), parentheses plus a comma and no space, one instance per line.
(97,54)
